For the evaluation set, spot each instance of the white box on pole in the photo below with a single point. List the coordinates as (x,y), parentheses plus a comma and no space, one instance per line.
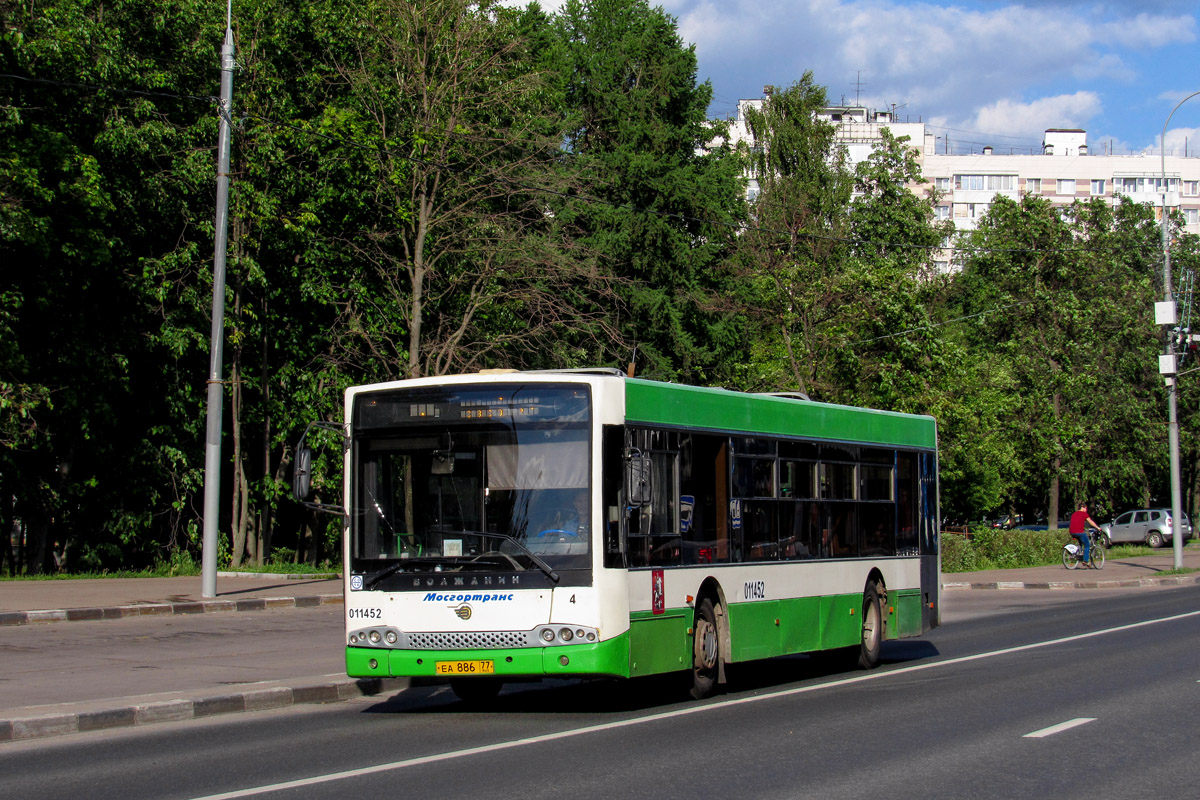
(1164,313)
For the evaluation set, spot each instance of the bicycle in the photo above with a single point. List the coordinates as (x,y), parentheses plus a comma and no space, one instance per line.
(1072,553)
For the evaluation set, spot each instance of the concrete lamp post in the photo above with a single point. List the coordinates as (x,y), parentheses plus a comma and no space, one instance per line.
(1168,365)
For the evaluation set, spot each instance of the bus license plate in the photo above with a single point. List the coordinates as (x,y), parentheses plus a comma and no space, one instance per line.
(465,667)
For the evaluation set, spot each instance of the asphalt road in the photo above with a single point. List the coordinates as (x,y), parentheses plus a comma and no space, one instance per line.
(972,710)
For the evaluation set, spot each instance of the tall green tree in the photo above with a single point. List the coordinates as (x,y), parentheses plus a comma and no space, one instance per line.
(1057,307)
(899,357)
(456,166)
(793,257)
(658,210)
(100,127)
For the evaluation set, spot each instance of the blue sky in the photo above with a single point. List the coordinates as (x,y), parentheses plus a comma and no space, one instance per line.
(979,71)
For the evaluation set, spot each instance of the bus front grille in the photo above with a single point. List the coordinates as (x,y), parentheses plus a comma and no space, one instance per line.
(469,641)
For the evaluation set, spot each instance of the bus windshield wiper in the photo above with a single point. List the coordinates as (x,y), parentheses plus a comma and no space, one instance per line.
(534,557)
(392,569)
(405,563)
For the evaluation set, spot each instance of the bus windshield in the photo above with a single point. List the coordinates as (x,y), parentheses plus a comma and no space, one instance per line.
(474,481)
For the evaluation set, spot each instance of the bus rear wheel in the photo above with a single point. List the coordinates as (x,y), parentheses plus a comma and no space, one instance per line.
(706,651)
(872,628)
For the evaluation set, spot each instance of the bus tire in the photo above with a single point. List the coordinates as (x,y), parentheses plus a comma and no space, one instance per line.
(476,691)
(706,650)
(872,628)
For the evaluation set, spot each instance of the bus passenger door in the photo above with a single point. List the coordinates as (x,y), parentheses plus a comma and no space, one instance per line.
(930,531)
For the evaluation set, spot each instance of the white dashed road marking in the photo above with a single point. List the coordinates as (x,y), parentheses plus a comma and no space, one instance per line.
(1059,728)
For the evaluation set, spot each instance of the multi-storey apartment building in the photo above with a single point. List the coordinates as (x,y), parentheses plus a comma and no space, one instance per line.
(1063,171)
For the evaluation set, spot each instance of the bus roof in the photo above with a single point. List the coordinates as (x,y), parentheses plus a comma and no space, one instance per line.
(678,405)
(658,403)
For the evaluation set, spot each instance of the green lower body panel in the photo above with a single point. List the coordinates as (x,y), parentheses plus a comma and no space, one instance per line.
(608,658)
(777,627)
(754,630)
(660,642)
(906,621)
(841,620)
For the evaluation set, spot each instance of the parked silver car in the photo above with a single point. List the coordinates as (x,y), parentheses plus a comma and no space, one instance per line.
(1149,525)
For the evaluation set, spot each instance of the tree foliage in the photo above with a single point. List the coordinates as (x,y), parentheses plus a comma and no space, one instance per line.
(657,211)
(1058,302)
(437,186)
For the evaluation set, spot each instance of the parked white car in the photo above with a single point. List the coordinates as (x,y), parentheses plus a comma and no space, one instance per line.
(1153,526)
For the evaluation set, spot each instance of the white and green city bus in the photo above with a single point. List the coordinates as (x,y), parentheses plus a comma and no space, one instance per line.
(517,525)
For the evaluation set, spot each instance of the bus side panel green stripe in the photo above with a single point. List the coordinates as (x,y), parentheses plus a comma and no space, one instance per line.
(651,402)
(841,620)
(752,630)
(800,624)
(908,614)
(770,628)
(660,642)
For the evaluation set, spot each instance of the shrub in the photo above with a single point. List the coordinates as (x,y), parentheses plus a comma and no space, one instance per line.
(992,548)
(958,554)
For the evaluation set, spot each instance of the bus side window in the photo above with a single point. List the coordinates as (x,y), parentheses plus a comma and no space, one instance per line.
(652,517)
(702,460)
(906,503)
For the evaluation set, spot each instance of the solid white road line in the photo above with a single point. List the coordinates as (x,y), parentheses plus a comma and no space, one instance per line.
(682,712)
(1059,728)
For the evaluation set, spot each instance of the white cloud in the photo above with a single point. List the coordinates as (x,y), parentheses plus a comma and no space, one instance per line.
(1014,118)
(1149,31)
(1179,138)
(1047,64)
(1012,65)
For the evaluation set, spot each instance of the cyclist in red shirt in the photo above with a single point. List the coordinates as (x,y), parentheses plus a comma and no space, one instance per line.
(1079,522)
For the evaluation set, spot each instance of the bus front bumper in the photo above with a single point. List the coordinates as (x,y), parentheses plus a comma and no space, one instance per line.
(608,659)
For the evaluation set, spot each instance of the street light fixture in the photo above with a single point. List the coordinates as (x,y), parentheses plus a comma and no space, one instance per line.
(1170,377)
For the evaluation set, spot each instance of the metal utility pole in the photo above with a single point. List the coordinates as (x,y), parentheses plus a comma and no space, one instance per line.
(1171,376)
(212,444)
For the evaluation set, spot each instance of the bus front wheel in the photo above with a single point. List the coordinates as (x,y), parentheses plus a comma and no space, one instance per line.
(706,650)
(872,628)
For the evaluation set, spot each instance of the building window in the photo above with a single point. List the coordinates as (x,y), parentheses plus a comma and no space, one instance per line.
(941,184)
(1097,187)
(1191,216)
(1191,188)
(976,210)
(1066,186)
(943,212)
(1033,185)
(991,183)
(1144,185)
(752,190)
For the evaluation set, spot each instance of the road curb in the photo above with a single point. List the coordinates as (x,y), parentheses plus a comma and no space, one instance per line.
(285,576)
(61,723)
(166,609)
(1165,580)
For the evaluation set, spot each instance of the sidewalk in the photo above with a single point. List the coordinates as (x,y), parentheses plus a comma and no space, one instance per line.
(1117,573)
(263,679)
(23,602)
